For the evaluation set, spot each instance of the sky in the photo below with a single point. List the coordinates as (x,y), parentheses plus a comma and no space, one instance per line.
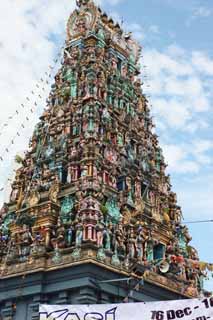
(177,72)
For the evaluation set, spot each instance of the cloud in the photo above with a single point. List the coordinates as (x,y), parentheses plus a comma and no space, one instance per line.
(172,111)
(178,161)
(110,2)
(203,63)
(200,124)
(198,13)
(202,12)
(202,151)
(196,194)
(114,2)
(137,30)
(166,62)
(188,157)
(154,29)
(181,99)
(179,89)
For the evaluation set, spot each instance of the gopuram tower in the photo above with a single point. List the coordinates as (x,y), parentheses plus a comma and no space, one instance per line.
(92,217)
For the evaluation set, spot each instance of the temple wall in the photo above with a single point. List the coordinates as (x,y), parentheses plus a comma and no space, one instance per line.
(20,296)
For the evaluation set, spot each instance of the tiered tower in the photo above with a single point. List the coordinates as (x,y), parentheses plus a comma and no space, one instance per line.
(91,200)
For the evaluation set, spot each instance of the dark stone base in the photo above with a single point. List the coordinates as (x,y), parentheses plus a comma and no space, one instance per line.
(82,284)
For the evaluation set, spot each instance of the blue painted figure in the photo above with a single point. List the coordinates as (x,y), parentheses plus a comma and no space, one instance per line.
(113,209)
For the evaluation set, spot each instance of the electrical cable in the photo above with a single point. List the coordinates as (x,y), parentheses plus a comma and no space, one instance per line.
(27,193)
(199,221)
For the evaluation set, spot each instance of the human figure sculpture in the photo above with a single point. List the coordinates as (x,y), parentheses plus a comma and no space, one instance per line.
(80,24)
(101,91)
(79,234)
(107,238)
(69,236)
(25,242)
(150,247)
(100,234)
(67,205)
(131,246)
(140,239)
(120,240)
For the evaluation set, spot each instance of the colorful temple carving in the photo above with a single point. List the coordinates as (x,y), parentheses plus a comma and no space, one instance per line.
(92,185)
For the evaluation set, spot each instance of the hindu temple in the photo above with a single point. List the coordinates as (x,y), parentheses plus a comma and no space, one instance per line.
(92,217)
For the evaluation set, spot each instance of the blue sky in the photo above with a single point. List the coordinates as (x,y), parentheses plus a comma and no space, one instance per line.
(177,71)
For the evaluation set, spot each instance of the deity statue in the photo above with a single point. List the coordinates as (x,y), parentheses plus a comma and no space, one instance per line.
(71,78)
(129,191)
(126,214)
(101,33)
(49,151)
(121,248)
(159,159)
(3,243)
(6,220)
(38,246)
(101,83)
(106,116)
(131,245)
(84,171)
(107,234)
(111,155)
(13,252)
(183,239)
(130,152)
(100,234)
(138,189)
(120,140)
(61,236)
(82,85)
(69,235)
(80,23)
(67,205)
(140,240)
(91,88)
(113,209)
(149,245)
(25,242)
(82,2)
(79,234)
(53,193)
(33,198)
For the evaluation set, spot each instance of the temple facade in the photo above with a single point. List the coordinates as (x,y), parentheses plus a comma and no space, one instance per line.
(92,217)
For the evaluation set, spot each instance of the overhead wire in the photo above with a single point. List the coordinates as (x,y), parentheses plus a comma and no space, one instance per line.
(44,81)
(29,187)
(198,221)
(27,193)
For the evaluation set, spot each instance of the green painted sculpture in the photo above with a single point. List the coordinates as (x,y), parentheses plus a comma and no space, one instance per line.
(113,210)
(67,206)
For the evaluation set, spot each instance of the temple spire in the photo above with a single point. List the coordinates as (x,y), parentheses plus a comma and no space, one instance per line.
(82,2)
(93,183)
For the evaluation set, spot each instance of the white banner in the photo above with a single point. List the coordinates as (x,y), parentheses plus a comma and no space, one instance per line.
(194,309)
